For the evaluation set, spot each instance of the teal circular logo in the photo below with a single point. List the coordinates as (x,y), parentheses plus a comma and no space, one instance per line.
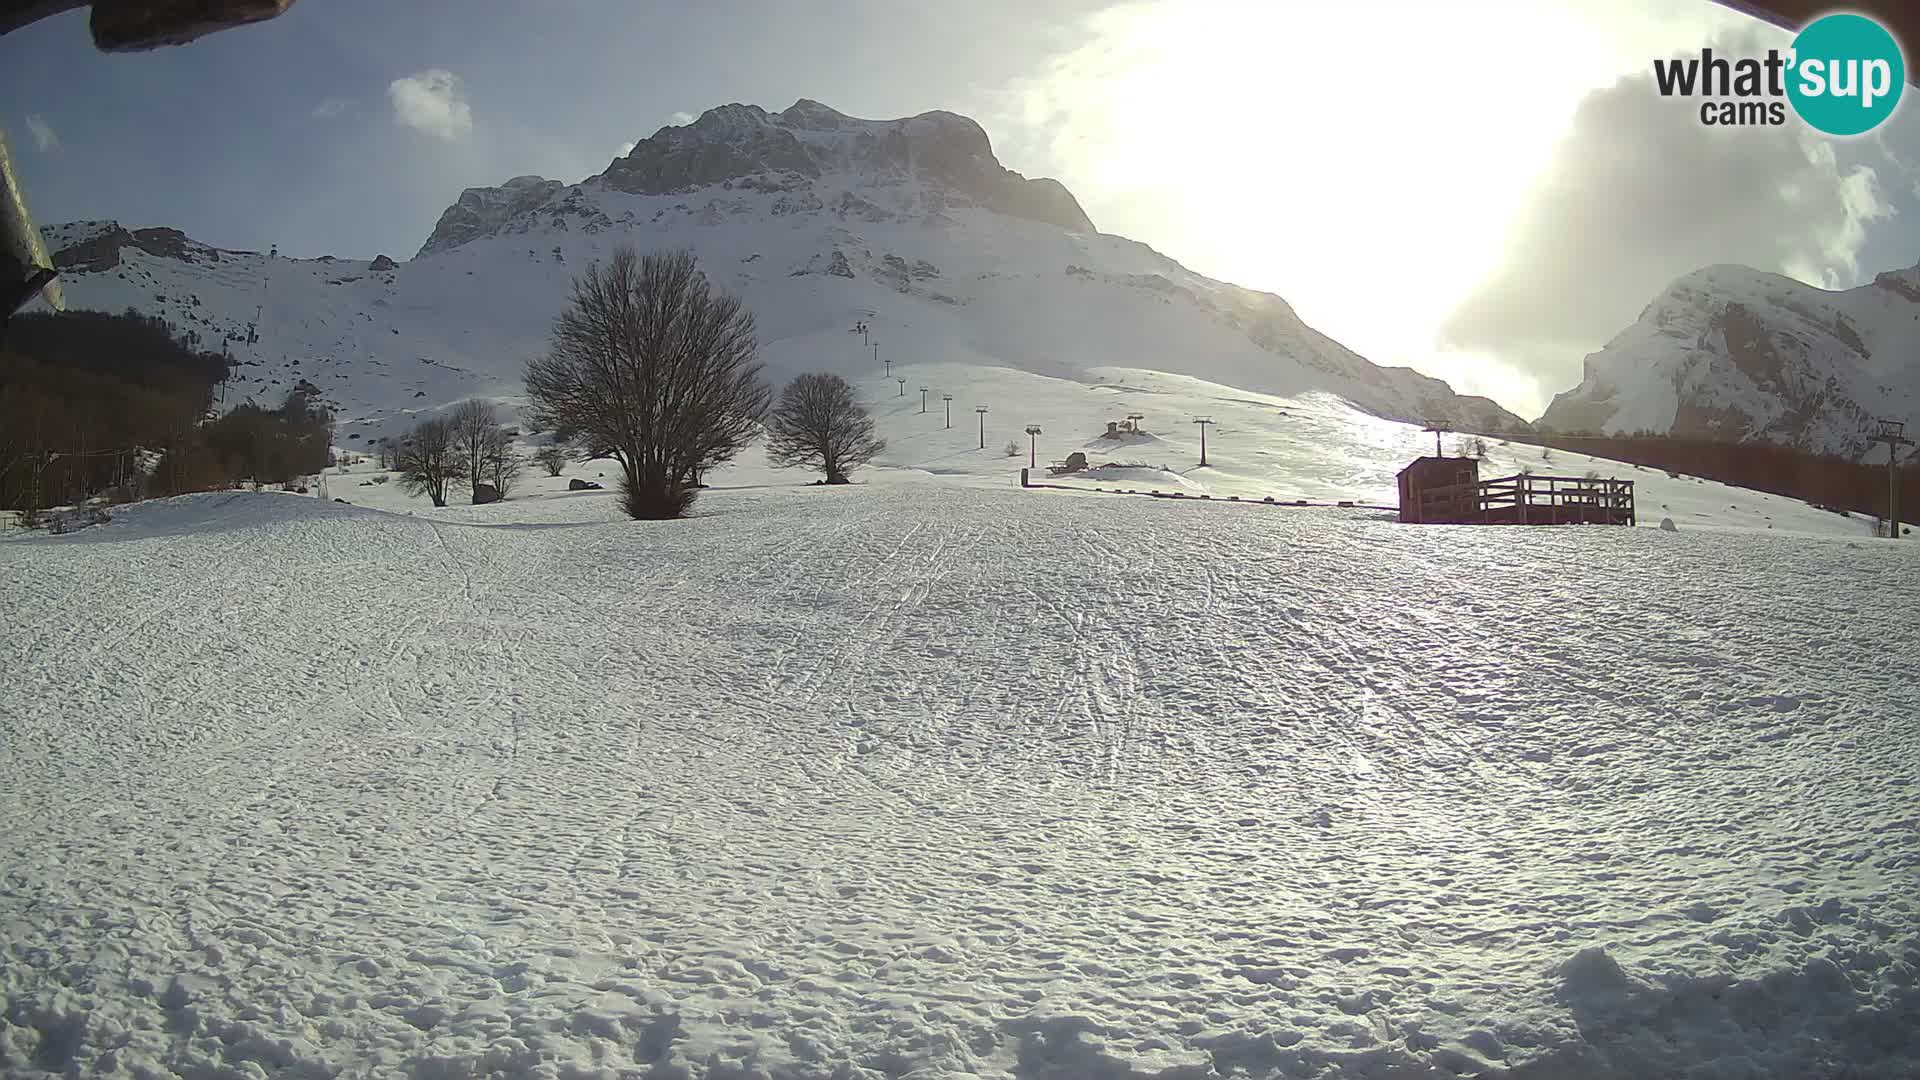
(1846,74)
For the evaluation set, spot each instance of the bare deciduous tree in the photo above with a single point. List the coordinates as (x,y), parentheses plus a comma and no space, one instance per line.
(652,367)
(500,463)
(818,425)
(428,459)
(476,427)
(553,458)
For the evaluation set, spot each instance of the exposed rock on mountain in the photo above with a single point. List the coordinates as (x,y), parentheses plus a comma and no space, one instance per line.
(810,140)
(1733,353)
(818,220)
(483,211)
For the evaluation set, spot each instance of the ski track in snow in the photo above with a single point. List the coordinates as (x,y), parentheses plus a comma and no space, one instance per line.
(937,781)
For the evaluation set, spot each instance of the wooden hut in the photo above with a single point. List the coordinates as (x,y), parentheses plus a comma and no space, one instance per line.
(1449,490)
(1439,489)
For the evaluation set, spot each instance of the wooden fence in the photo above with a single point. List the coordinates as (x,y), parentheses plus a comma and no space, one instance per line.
(1526,499)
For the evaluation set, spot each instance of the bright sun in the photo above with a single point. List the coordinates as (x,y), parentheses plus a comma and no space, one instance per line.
(1361,159)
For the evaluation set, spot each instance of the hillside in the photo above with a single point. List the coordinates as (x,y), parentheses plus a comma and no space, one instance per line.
(818,219)
(1732,353)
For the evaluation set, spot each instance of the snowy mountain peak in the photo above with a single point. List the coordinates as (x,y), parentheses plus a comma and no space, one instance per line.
(94,246)
(1905,283)
(818,220)
(1730,352)
(482,211)
(810,151)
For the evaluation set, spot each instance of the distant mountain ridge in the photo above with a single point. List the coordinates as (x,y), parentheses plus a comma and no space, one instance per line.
(819,220)
(1734,353)
(784,151)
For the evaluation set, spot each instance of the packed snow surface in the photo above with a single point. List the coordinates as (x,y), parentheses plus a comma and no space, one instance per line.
(931,779)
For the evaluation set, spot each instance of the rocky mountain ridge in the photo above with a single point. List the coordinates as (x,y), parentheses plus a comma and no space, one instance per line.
(1733,353)
(817,219)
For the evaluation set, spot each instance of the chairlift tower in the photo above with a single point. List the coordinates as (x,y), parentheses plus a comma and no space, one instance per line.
(1203,421)
(1894,434)
(982,410)
(923,401)
(1133,421)
(902,380)
(947,400)
(1033,446)
(1438,430)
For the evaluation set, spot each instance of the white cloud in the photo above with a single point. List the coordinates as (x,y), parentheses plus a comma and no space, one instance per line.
(1640,193)
(44,137)
(681,119)
(431,101)
(1172,123)
(331,108)
(625,149)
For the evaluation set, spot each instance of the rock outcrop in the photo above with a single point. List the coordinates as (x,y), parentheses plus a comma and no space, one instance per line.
(1732,353)
(745,142)
(481,211)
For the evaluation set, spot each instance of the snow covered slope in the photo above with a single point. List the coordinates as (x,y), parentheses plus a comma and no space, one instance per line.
(923,779)
(1731,352)
(818,219)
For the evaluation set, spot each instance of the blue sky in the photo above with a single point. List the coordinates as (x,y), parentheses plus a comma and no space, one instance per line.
(1414,183)
(284,133)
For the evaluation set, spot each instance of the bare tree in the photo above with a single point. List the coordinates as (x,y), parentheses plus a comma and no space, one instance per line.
(553,457)
(476,427)
(501,464)
(428,459)
(818,425)
(650,366)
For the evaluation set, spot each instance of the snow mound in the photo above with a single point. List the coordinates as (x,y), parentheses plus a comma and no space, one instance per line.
(1790,1021)
(1136,474)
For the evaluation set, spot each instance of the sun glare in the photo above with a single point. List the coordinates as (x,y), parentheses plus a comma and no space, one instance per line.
(1362,160)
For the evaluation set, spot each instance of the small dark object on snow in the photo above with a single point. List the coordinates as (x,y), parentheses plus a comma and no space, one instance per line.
(1076,462)
(577,484)
(339,500)
(484,494)
(300,490)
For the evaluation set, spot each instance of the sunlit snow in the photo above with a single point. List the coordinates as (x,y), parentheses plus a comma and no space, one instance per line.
(938,777)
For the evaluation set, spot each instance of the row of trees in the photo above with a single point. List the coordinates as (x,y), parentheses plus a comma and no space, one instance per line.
(252,442)
(1821,479)
(650,366)
(467,444)
(95,404)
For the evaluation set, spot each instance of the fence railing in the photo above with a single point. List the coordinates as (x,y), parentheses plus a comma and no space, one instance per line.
(1527,499)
